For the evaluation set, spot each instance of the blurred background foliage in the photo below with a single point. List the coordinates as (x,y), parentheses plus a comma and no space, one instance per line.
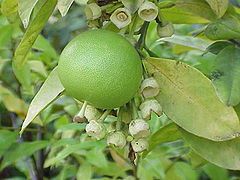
(53,147)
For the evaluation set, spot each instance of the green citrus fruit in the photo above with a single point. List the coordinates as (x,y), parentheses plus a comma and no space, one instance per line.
(100,67)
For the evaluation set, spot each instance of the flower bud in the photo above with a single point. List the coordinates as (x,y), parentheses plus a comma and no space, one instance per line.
(95,130)
(121,17)
(139,128)
(92,11)
(91,113)
(165,31)
(149,88)
(139,145)
(116,139)
(149,106)
(148,11)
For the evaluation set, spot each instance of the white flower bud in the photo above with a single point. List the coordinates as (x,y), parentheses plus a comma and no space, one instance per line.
(95,130)
(92,11)
(91,113)
(148,11)
(149,106)
(139,128)
(149,88)
(121,17)
(116,139)
(166,30)
(139,145)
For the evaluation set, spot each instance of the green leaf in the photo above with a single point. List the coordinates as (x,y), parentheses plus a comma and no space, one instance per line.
(189,99)
(215,172)
(224,154)
(181,171)
(5,35)
(32,32)
(50,90)
(25,8)
(217,46)
(7,138)
(167,133)
(219,7)
(97,158)
(21,150)
(12,102)
(85,171)
(44,45)
(9,7)
(69,150)
(225,28)
(226,75)
(38,67)
(188,12)
(187,41)
(63,6)
(72,126)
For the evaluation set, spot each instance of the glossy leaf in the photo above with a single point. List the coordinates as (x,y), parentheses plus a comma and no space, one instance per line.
(189,99)
(25,8)
(226,75)
(32,33)
(225,28)
(224,154)
(219,7)
(187,41)
(49,91)
(9,7)
(19,151)
(217,46)
(64,5)
(167,133)
(215,172)
(187,12)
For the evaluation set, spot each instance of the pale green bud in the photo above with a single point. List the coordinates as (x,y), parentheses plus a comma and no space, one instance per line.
(148,11)
(149,88)
(139,128)
(139,145)
(116,139)
(92,11)
(149,106)
(121,17)
(95,130)
(91,113)
(166,30)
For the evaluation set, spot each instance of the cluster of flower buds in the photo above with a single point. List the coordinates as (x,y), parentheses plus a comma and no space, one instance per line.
(149,90)
(122,16)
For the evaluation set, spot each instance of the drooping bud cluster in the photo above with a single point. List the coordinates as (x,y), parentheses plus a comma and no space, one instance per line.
(96,129)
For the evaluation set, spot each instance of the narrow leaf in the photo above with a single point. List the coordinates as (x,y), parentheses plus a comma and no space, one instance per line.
(50,90)
(226,75)
(32,32)
(187,41)
(224,154)
(190,100)
(25,8)
(21,150)
(219,7)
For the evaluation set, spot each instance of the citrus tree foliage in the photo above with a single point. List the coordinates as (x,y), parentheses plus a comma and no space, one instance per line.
(190,47)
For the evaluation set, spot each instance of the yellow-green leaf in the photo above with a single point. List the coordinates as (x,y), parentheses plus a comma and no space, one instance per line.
(219,7)
(190,100)
(224,154)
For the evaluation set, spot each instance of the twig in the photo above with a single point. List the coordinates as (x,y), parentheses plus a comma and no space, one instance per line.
(141,41)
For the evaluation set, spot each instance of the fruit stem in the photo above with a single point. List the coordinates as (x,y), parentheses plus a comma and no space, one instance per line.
(80,116)
(104,115)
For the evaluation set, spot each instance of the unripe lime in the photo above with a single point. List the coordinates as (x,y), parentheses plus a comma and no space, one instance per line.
(100,67)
